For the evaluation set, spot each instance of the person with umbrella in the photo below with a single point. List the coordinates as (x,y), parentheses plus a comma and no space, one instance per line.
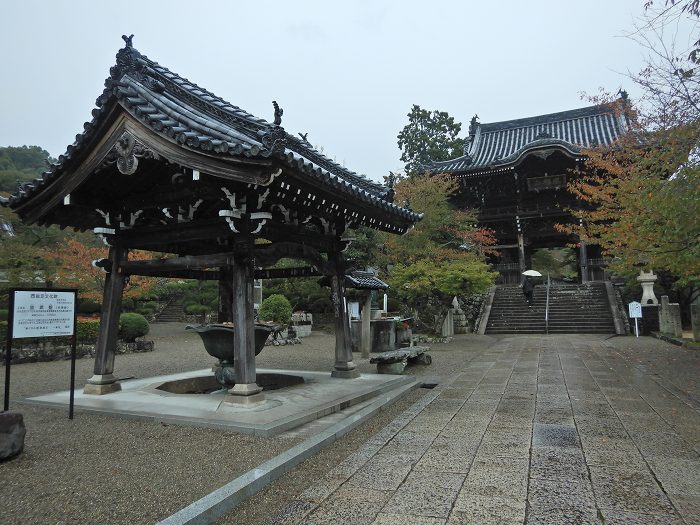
(529,285)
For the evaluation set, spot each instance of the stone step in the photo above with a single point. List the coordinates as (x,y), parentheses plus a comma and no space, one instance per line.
(572,309)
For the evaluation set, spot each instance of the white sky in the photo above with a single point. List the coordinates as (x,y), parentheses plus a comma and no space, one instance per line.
(347,73)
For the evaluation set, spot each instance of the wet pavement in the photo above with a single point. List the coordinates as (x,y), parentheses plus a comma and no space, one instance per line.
(536,430)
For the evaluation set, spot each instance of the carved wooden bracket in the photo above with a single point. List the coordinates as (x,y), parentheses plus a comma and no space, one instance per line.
(268,254)
(126,152)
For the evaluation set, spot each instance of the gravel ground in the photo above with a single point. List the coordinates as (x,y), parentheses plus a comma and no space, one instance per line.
(148,471)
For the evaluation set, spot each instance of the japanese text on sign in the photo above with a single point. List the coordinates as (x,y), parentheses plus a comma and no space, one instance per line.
(635,310)
(43,313)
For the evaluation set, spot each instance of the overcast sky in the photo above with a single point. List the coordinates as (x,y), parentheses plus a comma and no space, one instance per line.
(345,72)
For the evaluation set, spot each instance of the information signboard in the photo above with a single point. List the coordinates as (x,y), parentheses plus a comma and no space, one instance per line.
(43,313)
(635,310)
(635,313)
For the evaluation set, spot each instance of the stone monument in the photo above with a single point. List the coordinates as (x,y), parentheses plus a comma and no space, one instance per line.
(670,318)
(12,432)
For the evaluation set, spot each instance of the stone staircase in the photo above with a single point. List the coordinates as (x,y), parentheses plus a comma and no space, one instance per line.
(573,309)
(172,312)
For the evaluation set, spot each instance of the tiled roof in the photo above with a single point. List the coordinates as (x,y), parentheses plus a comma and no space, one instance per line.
(365,280)
(498,144)
(196,118)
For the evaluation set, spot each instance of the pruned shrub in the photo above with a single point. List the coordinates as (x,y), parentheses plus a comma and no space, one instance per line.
(88,307)
(87,329)
(277,309)
(131,326)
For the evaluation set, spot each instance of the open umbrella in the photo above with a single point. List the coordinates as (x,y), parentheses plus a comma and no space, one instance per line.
(532,273)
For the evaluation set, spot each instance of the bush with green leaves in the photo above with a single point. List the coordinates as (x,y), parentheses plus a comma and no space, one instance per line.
(277,309)
(146,308)
(428,287)
(89,307)
(131,326)
(87,329)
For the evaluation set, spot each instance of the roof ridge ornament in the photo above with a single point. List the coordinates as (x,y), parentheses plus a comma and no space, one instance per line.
(278,113)
(130,61)
(473,124)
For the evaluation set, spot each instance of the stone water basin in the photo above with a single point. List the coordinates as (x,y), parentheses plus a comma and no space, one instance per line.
(218,342)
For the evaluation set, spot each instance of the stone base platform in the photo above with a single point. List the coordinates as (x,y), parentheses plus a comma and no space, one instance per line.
(281,410)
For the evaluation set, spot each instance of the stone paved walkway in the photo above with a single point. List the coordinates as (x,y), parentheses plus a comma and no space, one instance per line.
(556,429)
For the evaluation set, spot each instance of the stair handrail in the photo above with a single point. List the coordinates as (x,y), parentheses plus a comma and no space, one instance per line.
(546,308)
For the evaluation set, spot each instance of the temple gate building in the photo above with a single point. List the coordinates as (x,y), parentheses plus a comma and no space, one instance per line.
(515,174)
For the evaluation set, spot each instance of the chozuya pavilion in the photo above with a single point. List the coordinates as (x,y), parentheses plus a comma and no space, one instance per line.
(167,166)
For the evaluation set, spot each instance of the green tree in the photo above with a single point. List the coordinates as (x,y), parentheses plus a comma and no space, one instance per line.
(21,164)
(428,136)
(428,286)
(441,257)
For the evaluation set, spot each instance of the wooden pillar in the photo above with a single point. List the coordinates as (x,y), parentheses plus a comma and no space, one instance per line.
(225,295)
(103,380)
(366,343)
(521,251)
(243,323)
(344,366)
(583,261)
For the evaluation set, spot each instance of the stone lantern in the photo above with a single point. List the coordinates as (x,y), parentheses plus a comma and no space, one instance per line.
(647,279)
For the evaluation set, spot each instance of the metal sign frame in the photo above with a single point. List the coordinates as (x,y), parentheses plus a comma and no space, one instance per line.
(11,336)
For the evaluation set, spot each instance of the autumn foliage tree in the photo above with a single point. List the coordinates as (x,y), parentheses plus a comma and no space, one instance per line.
(643,194)
(442,256)
(74,269)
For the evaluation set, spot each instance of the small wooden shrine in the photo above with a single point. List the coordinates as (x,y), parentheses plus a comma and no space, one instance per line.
(169,167)
(515,173)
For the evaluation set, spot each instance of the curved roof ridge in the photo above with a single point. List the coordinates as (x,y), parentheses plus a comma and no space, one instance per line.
(173,105)
(498,144)
(549,118)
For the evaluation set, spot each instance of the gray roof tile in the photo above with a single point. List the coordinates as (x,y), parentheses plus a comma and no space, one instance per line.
(499,144)
(174,106)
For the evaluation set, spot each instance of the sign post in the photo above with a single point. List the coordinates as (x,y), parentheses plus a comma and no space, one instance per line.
(635,313)
(33,312)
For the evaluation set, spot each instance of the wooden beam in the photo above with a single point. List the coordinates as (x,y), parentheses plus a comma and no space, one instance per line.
(175,233)
(187,262)
(215,275)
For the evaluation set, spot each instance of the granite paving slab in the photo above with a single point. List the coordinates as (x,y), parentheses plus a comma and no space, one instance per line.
(500,477)
(547,435)
(349,505)
(556,463)
(559,494)
(551,430)
(621,517)
(486,510)
(664,445)
(611,451)
(402,519)
(429,494)
(677,475)
(562,516)
(628,489)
